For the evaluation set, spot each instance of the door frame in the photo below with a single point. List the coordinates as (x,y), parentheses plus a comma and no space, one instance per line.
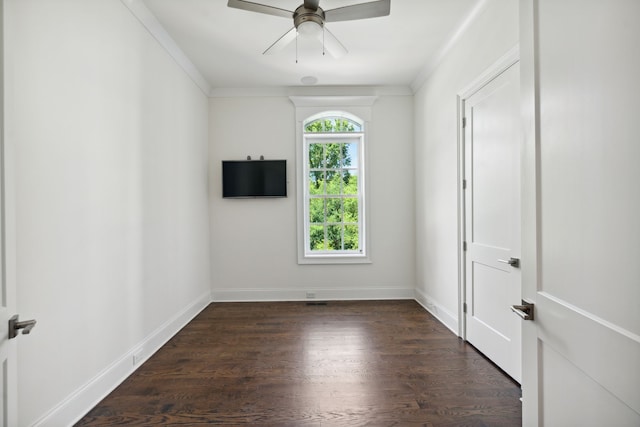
(493,71)
(529,193)
(8,287)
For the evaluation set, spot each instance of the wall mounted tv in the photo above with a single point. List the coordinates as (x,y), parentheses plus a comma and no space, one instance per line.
(254,178)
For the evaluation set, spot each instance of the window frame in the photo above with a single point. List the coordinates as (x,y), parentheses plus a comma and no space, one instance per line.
(353,108)
(324,138)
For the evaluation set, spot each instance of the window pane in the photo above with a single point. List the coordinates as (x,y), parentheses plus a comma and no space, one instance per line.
(354,127)
(333,124)
(333,155)
(334,237)
(334,210)
(350,182)
(316,126)
(316,238)
(315,156)
(350,155)
(316,210)
(331,187)
(351,210)
(316,182)
(334,185)
(351,237)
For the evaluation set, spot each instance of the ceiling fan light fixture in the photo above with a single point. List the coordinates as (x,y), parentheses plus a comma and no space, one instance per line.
(309,21)
(310,29)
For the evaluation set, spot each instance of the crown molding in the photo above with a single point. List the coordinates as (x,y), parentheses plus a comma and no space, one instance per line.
(151,23)
(340,91)
(455,36)
(328,101)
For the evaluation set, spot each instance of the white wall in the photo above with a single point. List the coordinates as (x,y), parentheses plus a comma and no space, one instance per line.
(112,223)
(489,37)
(253,242)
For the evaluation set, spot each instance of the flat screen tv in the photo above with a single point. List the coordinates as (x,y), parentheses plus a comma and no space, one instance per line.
(254,178)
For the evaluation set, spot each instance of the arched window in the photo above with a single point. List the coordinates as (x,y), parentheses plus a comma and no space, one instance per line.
(333,185)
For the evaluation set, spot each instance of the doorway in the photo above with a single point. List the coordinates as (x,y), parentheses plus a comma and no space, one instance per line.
(490,221)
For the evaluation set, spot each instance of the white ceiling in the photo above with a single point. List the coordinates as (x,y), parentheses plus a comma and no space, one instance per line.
(226,44)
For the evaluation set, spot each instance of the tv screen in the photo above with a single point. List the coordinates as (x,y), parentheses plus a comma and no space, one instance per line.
(254,178)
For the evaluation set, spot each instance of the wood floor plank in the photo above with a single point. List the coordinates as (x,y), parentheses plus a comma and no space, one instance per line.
(347,363)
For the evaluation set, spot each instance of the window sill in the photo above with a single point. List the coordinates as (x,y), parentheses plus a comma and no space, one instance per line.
(333,259)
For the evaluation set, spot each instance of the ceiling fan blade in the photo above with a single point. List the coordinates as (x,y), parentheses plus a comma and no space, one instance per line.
(260,8)
(372,9)
(333,45)
(282,42)
(311,4)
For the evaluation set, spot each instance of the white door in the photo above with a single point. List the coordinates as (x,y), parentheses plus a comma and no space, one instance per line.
(8,369)
(581,212)
(492,219)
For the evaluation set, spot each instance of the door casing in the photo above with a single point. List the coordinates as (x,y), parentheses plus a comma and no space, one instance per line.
(8,347)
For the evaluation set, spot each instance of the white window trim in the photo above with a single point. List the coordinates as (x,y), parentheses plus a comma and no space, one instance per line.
(307,107)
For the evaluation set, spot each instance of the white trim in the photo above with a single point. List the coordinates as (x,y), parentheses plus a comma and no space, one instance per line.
(151,23)
(498,67)
(85,398)
(437,58)
(311,91)
(333,101)
(306,107)
(462,291)
(342,294)
(437,310)
(530,221)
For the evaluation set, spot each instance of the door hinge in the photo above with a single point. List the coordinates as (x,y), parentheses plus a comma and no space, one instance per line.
(464,246)
(464,184)
(464,122)
(464,307)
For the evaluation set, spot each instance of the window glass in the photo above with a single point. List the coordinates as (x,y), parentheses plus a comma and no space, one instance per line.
(333,186)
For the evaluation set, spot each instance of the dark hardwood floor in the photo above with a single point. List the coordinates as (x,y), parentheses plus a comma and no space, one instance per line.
(365,363)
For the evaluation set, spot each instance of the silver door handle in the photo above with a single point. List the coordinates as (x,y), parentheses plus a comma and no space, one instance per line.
(513,262)
(15,326)
(525,310)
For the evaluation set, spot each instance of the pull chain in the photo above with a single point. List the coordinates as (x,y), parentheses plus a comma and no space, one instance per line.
(322,39)
(296,46)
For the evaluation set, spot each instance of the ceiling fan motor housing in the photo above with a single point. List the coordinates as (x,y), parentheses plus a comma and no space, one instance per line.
(302,14)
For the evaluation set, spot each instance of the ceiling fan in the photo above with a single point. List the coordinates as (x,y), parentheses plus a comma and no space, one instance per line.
(309,19)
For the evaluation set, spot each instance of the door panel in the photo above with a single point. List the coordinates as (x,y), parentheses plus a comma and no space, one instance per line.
(492,219)
(561,379)
(586,342)
(581,210)
(490,282)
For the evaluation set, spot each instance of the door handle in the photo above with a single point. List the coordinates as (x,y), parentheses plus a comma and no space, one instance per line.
(525,310)
(513,262)
(15,326)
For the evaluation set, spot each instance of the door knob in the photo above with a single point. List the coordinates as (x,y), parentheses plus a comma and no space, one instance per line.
(513,262)
(525,310)
(15,326)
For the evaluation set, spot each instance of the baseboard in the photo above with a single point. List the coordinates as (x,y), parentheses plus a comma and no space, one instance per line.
(73,408)
(445,317)
(258,295)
